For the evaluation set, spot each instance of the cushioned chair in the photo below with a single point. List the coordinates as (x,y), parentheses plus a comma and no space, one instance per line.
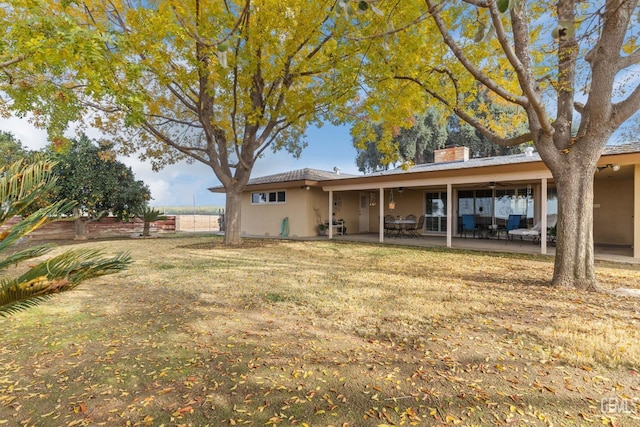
(468,225)
(513,223)
(534,233)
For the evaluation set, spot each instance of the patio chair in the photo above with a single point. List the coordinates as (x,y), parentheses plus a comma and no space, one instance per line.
(416,230)
(408,227)
(513,223)
(389,226)
(534,233)
(468,225)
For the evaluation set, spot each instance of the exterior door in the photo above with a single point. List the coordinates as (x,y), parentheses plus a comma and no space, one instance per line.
(436,211)
(363,213)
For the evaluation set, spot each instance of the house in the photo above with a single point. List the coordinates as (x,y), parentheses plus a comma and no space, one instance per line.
(489,188)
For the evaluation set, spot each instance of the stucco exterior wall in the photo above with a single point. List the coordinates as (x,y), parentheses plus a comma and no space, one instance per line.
(265,219)
(305,210)
(408,202)
(613,211)
(348,210)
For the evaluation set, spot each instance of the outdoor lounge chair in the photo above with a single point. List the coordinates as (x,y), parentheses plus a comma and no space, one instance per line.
(513,223)
(535,232)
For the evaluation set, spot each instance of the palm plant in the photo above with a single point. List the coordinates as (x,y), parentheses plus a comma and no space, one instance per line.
(21,187)
(149,215)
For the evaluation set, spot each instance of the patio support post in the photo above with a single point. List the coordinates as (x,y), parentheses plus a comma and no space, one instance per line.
(543,216)
(381,215)
(636,211)
(449,214)
(330,214)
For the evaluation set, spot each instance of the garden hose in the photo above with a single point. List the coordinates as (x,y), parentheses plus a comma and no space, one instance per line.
(284,229)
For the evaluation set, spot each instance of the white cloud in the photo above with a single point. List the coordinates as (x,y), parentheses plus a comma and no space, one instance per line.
(30,136)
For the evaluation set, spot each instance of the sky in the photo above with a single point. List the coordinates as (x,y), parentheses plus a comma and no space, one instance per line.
(186,184)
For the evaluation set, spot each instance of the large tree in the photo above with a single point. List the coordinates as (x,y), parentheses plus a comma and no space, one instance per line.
(218,82)
(413,145)
(89,173)
(565,65)
(416,144)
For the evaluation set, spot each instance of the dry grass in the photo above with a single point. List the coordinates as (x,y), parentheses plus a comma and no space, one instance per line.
(323,333)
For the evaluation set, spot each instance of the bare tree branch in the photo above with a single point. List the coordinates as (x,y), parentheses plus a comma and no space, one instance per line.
(472,121)
(475,72)
(170,142)
(520,60)
(623,110)
(629,60)
(10,62)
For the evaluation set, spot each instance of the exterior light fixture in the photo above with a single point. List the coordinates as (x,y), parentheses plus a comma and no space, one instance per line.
(613,167)
(392,203)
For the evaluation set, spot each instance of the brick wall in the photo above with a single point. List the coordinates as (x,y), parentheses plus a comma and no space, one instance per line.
(451,154)
(105,228)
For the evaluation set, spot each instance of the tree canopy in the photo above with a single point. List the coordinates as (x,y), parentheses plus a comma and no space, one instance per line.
(221,82)
(90,175)
(416,144)
(215,82)
(11,149)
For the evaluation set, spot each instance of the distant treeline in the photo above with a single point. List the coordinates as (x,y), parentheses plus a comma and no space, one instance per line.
(193,210)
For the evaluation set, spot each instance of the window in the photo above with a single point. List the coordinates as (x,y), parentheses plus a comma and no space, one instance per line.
(514,201)
(268,197)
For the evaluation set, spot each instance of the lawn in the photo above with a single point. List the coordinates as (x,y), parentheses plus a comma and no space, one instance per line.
(323,333)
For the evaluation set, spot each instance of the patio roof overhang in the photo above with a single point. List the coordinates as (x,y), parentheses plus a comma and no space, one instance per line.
(273,186)
(440,178)
(459,175)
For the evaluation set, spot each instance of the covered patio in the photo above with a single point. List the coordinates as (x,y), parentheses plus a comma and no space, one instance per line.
(610,253)
(490,190)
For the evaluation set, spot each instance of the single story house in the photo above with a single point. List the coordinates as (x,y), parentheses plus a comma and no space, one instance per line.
(490,189)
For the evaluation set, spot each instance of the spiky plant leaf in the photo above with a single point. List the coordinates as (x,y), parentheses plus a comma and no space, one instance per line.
(20,187)
(24,255)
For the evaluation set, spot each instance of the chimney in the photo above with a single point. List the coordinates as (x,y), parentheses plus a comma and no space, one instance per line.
(528,151)
(451,154)
(336,170)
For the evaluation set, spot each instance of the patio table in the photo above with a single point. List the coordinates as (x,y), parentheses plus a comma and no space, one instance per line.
(402,225)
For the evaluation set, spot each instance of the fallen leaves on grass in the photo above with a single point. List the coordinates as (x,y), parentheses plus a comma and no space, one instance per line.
(321,334)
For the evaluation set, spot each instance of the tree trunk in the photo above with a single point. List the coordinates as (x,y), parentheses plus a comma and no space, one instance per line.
(574,266)
(81,229)
(146,229)
(232,215)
